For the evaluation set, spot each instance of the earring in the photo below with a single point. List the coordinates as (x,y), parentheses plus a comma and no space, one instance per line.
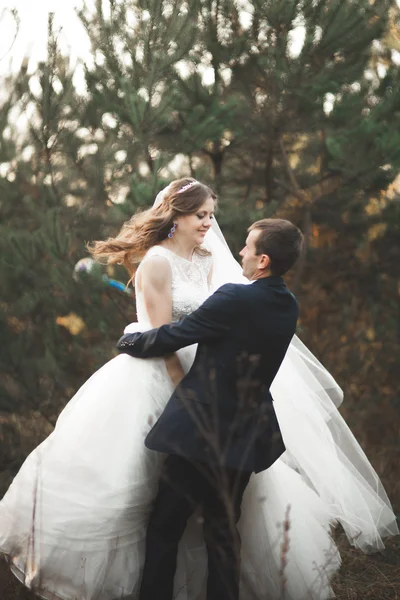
(173,229)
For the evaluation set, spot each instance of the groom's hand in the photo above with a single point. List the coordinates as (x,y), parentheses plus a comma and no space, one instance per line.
(128,345)
(127,342)
(139,345)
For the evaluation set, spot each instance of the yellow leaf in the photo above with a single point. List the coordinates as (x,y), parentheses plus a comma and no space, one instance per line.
(72,322)
(376,231)
(370,334)
(375,206)
(16,325)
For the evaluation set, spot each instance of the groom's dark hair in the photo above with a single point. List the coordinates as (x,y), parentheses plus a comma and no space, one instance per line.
(281,241)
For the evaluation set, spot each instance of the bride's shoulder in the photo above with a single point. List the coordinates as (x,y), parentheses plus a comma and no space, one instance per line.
(156,251)
(155,258)
(154,269)
(156,254)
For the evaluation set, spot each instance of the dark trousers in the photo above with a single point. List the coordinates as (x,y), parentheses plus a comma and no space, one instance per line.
(184,486)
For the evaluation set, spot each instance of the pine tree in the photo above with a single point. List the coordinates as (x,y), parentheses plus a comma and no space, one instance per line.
(293,120)
(57,327)
(132,81)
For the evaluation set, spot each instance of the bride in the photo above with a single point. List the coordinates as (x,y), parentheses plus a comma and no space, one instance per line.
(73,522)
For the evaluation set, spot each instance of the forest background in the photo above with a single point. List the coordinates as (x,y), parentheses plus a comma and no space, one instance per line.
(287,108)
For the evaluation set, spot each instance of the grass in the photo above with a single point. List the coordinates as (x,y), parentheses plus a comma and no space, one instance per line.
(368,576)
(10,588)
(361,577)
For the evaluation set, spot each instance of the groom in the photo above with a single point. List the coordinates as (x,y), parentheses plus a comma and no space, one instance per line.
(219,425)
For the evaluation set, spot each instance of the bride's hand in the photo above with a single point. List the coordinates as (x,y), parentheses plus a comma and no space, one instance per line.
(174,369)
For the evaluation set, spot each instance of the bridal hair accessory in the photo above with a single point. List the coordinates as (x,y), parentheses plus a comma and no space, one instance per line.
(186,187)
(161,195)
(173,229)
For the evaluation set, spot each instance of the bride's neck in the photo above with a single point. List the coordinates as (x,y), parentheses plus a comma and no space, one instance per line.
(180,247)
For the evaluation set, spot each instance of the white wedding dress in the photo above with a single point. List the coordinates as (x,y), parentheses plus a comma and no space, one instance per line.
(73,522)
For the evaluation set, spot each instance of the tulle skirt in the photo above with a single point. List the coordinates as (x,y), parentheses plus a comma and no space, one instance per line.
(73,522)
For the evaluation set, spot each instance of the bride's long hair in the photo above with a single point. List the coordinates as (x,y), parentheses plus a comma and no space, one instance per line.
(150,227)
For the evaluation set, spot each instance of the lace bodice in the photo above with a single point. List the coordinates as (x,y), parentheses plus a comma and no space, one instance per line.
(189,283)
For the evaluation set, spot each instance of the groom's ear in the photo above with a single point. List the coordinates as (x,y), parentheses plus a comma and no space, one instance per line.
(264,261)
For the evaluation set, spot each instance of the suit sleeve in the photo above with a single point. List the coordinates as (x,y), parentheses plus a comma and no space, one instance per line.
(211,321)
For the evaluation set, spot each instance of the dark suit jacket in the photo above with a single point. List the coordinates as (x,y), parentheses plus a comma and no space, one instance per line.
(222,411)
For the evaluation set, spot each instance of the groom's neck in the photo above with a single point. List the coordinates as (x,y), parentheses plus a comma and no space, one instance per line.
(261,274)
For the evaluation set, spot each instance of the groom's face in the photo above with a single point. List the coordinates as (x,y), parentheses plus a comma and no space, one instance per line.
(251,260)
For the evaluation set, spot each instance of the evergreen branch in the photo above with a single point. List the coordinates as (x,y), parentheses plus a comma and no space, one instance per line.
(296,189)
(284,186)
(313,193)
(334,12)
(301,263)
(29,397)
(302,196)
(49,161)
(119,309)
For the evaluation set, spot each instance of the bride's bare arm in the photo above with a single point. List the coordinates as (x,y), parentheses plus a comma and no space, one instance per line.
(154,280)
